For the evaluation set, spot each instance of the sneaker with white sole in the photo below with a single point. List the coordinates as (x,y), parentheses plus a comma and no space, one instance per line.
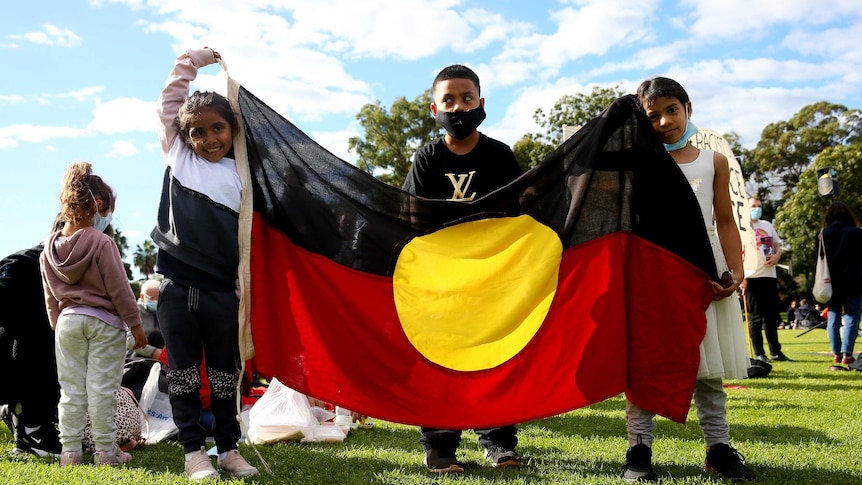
(500,456)
(199,466)
(236,465)
(443,462)
(43,442)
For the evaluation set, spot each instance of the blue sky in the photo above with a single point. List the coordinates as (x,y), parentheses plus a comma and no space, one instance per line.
(80,78)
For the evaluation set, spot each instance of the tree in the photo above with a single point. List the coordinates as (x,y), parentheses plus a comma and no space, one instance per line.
(144,258)
(801,216)
(122,246)
(786,148)
(391,138)
(573,110)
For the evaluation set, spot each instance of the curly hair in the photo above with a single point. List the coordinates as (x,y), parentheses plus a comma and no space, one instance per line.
(78,194)
(202,101)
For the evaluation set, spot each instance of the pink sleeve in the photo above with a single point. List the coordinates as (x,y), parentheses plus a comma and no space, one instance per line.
(176,91)
(117,284)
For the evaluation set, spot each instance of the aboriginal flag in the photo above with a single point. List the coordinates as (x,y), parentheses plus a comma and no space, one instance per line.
(582,279)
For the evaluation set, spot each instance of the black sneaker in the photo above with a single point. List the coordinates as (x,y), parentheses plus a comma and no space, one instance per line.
(638,465)
(43,442)
(500,456)
(781,358)
(725,460)
(442,464)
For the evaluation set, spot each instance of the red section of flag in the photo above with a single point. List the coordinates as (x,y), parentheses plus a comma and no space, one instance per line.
(333,333)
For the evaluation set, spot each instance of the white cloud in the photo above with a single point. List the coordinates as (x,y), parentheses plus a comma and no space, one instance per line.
(840,42)
(584,28)
(12,134)
(336,142)
(50,35)
(122,149)
(731,18)
(124,115)
(11,99)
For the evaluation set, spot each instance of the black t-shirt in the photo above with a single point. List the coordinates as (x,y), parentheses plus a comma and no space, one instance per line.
(437,173)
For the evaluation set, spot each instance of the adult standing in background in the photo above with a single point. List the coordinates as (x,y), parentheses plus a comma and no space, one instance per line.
(761,287)
(842,241)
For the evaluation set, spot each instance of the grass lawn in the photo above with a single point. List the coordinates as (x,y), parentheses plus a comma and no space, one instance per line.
(800,425)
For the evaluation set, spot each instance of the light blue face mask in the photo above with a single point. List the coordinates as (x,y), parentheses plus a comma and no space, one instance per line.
(101,222)
(756,213)
(152,305)
(690,131)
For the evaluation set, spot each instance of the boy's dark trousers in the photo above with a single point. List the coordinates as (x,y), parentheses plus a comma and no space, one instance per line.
(446,441)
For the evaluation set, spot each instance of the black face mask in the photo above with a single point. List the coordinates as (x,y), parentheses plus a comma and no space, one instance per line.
(459,124)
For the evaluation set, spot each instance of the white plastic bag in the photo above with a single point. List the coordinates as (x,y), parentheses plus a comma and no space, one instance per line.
(156,406)
(282,414)
(822,290)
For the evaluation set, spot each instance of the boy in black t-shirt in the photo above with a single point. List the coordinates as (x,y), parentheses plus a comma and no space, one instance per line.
(463,165)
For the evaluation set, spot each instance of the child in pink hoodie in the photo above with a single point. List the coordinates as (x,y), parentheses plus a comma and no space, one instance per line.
(90,306)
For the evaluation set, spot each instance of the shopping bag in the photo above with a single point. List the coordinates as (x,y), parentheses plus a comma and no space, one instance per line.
(283,414)
(156,407)
(822,290)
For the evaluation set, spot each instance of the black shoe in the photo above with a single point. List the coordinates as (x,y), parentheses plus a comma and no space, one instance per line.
(500,456)
(43,442)
(781,358)
(638,465)
(725,460)
(443,464)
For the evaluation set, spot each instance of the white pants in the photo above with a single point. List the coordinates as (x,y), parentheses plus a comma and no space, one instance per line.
(710,401)
(90,357)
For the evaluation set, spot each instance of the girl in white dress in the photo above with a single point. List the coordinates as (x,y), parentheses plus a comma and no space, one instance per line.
(723,350)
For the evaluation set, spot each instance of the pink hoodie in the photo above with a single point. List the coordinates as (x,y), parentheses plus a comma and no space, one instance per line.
(85,269)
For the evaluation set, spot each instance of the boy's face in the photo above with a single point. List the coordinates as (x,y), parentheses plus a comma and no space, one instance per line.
(668,117)
(456,95)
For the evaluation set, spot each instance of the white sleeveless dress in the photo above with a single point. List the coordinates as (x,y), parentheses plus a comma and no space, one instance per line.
(723,352)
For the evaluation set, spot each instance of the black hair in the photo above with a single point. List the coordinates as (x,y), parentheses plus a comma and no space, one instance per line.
(661,87)
(839,211)
(202,101)
(456,71)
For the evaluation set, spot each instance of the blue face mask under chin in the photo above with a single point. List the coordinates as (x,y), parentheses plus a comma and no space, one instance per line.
(101,222)
(690,131)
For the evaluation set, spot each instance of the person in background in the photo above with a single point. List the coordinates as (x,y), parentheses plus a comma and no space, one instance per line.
(147,304)
(90,307)
(842,242)
(791,315)
(761,288)
(27,357)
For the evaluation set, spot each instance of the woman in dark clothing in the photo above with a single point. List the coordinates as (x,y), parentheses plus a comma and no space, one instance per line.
(842,240)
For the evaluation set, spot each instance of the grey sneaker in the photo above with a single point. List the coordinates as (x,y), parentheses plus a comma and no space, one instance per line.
(500,456)
(442,464)
(200,467)
(638,465)
(725,460)
(236,465)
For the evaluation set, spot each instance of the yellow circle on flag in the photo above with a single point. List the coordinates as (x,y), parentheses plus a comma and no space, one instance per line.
(471,296)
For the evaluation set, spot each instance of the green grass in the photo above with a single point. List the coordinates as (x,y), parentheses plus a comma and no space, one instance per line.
(800,425)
